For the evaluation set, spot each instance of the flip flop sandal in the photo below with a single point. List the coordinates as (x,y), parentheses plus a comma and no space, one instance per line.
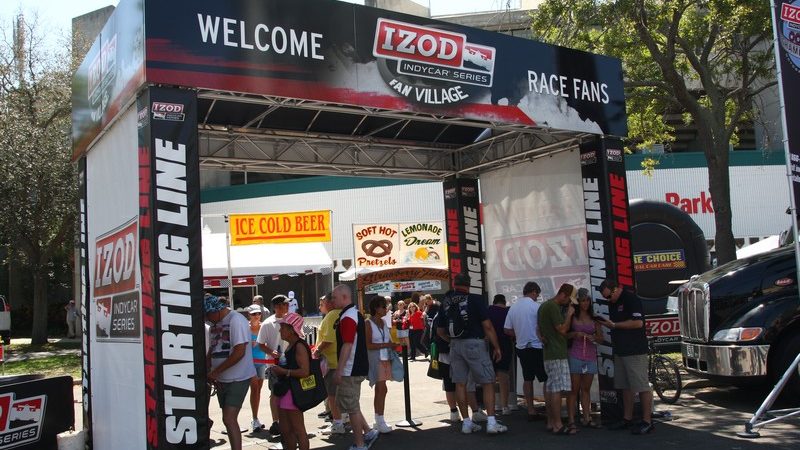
(573,429)
(564,431)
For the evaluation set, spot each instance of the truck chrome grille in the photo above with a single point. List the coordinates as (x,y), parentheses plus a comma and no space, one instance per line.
(693,310)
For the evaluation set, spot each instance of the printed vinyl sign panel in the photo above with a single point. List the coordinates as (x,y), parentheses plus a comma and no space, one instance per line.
(534,224)
(115,289)
(386,246)
(306,226)
(351,54)
(308,49)
(117,374)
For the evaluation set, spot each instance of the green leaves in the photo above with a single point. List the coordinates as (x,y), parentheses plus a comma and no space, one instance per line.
(37,179)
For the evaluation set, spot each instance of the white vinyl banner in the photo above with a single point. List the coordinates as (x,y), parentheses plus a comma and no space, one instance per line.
(534,226)
(117,368)
(759,197)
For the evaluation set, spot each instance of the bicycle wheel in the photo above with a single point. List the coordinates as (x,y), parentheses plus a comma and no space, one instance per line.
(666,379)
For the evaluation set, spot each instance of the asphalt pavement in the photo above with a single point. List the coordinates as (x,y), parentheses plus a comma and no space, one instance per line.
(707,417)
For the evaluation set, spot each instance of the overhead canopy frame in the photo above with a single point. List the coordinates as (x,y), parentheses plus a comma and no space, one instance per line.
(251,133)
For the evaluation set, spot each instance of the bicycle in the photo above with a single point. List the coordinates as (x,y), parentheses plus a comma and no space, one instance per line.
(663,374)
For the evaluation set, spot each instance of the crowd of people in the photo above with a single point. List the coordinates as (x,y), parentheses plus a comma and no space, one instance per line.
(555,342)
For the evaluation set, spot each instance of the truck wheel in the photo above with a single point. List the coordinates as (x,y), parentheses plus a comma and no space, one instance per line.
(787,353)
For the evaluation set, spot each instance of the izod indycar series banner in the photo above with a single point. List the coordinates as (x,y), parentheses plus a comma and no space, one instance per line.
(386,246)
(116,294)
(338,52)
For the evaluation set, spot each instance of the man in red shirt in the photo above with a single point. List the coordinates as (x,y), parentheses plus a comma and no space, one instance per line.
(353,365)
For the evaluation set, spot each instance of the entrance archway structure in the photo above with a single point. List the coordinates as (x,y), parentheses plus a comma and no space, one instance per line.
(302,87)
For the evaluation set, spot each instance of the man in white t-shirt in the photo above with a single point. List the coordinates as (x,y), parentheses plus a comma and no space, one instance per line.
(522,324)
(231,363)
(293,304)
(269,340)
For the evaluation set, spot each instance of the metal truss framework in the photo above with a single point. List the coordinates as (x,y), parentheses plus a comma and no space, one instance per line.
(252,145)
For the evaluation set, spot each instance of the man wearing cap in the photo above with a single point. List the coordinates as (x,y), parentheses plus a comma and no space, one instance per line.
(554,326)
(269,341)
(259,301)
(629,339)
(293,305)
(353,365)
(231,365)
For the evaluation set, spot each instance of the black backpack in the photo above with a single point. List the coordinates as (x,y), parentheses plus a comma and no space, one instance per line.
(457,314)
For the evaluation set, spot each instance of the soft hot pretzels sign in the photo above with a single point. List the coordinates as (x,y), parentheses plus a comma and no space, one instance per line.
(376,245)
(413,244)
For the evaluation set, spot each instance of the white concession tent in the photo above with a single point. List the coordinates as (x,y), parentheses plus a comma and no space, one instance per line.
(262,259)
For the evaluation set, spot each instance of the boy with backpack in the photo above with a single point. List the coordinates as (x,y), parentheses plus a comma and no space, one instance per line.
(466,326)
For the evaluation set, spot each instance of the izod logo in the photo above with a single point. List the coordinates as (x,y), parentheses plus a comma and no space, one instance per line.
(398,40)
(411,56)
(115,261)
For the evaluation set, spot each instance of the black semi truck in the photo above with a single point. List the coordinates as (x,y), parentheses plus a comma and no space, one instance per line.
(740,322)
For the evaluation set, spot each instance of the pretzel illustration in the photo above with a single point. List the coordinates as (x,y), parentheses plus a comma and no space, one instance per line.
(377,249)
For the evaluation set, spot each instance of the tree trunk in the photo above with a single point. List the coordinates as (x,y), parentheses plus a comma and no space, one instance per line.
(16,295)
(717,156)
(39,328)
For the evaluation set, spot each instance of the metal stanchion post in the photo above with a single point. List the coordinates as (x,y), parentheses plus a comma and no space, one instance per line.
(409,422)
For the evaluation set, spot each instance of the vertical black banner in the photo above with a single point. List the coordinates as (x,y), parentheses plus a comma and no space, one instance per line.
(786,24)
(464,237)
(172,281)
(83,231)
(605,202)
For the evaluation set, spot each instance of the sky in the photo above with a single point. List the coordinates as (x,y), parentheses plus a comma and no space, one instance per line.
(57,15)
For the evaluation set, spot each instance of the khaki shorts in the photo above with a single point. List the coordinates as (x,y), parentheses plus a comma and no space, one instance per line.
(630,373)
(348,394)
(330,383)
(470,357)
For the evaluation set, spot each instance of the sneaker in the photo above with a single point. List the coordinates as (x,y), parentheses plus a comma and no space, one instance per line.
(455,416)
(643,428)
(336,428)
(383,427)
(275,429)
(621,425)
(470,427)
(506,411)
(370,438)
(496,428)
(256,425)
(479,416)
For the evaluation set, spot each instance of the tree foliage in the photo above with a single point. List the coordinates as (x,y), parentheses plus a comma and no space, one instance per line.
(707,58)
(37,179)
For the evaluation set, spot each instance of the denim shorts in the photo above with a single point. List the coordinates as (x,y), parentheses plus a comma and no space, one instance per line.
(579,366)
